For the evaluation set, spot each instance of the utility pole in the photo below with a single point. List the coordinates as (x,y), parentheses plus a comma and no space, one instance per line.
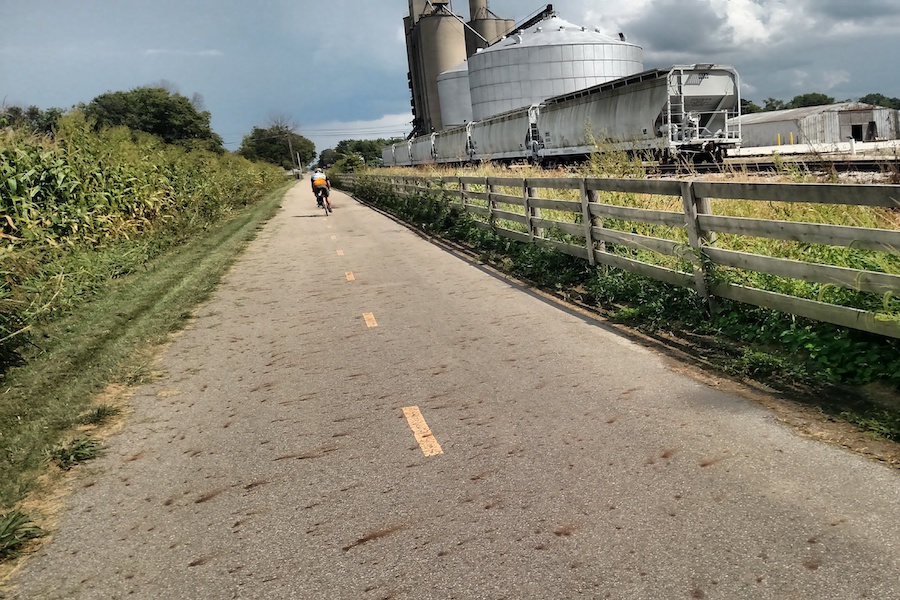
(291,148)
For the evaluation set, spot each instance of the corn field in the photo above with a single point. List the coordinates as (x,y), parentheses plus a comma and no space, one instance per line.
(68,199)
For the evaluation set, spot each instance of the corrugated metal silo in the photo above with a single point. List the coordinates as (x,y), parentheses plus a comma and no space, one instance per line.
(485,27)
(442,44)
(551,58)
(456,100)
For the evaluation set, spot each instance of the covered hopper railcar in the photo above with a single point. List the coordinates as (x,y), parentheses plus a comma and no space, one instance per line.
(680,112)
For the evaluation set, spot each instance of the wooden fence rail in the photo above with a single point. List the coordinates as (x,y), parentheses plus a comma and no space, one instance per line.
(528,207)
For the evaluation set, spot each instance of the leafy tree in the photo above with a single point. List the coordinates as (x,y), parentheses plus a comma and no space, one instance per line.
(773,104)
(275,143)
(881,100)
(812,99)
(351,163)
(328,157)
(39,121)
(370,150)
(158,111)
(749,107)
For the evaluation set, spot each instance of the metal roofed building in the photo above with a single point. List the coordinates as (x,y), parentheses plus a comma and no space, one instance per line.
(819,126)
(550,58)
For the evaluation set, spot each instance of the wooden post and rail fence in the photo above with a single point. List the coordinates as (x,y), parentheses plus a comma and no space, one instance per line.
(480,196)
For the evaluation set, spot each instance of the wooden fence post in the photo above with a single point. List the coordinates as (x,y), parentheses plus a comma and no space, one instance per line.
(491,190)
(588,222)
(692,208)
(536,232)
(528,211)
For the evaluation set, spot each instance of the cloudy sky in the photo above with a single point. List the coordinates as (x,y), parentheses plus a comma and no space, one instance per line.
(338,68)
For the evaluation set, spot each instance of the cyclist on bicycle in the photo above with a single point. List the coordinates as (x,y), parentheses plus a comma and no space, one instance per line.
(320,185)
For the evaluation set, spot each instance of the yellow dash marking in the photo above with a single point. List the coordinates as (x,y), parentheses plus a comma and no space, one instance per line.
(340,252)
(350,276)
(334,237)
(427,443)
(370,319)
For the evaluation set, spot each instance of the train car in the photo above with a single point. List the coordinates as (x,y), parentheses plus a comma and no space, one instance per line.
(422,150)
(402,154)
(503,137)
(685,111)
(387,156)
(453,146)
(680,111)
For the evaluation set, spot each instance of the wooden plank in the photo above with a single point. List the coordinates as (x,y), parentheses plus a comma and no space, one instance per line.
(819,193)
(577,251)
(564,205)
(506,199)
(570,228)
(882,240)
(812,309)
(644,242)
(510,216)
(554,183)
(477,195)
(662,187)
(473,180)
(642,215)
(513,235)
(483,225)
(515,182)
(854,279)
(656,272)
(478,210)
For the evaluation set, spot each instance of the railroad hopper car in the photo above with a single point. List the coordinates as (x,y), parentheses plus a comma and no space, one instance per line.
(422,150)
(677,112)
(453,145)
(502,138)
(680,112)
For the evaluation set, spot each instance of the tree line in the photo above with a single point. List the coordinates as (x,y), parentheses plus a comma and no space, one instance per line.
(813,99)
(173,118)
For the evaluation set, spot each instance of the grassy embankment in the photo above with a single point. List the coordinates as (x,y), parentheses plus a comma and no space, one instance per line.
(108,240)
(826,364)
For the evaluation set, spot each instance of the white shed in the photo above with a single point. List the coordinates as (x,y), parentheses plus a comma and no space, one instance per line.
(820,125)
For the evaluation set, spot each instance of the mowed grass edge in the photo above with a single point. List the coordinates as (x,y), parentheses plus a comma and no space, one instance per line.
(110,341)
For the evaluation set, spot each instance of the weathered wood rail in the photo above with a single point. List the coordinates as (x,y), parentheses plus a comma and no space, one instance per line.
(481,196)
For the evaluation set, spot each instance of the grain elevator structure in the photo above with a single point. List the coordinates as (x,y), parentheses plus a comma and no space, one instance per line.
(439,41)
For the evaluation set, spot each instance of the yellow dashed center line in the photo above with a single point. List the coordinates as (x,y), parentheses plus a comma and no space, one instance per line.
(427,443)
(334,237)
(350,276)
(370,320)
(340,252)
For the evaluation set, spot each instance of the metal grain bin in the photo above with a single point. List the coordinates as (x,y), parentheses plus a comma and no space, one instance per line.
(554,57)
(456,100)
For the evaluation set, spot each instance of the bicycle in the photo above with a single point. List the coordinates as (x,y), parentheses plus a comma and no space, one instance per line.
(323,201)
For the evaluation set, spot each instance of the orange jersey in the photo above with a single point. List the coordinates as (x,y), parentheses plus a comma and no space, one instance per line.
(319,179)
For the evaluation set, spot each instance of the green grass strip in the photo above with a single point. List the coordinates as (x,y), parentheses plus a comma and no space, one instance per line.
(106,341)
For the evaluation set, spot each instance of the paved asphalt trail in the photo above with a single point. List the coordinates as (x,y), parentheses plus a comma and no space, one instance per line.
(274,460)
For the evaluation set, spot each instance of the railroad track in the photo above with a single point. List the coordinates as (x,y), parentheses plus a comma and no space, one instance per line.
(812,164)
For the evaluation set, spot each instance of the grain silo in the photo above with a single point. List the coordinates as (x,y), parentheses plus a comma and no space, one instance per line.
(550,58)
(456,99)
(484,27)
(436,42)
